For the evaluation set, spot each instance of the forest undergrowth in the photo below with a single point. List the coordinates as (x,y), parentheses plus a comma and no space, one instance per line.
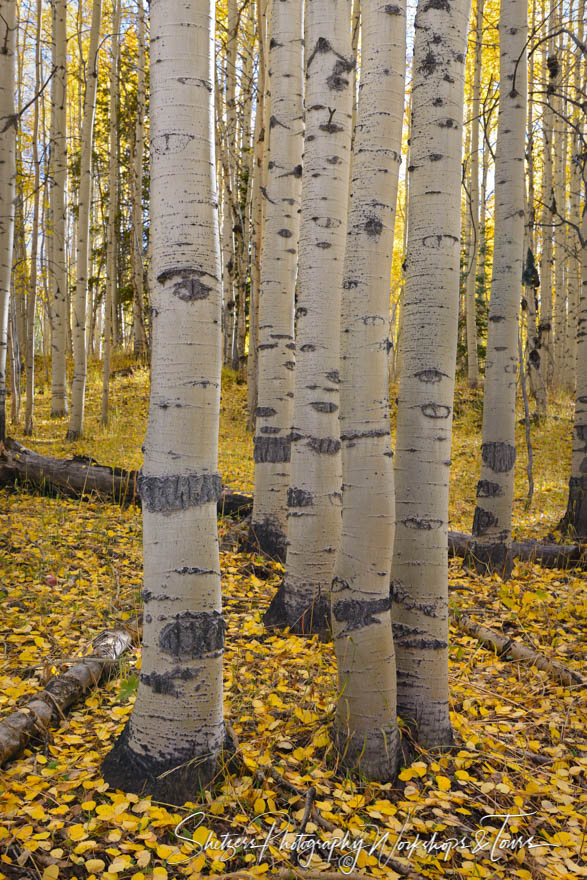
(508,801)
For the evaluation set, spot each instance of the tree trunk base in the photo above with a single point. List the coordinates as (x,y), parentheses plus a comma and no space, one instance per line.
(302,618)
(375,753)
(490,559)
(428,722)
(175,780)
(265,538)
(72,435)
(575,519)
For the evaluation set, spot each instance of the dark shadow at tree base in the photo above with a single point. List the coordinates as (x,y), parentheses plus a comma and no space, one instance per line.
(487,559)
(264,538)
(574,522)
(374,754)
(175,781)
(302,619)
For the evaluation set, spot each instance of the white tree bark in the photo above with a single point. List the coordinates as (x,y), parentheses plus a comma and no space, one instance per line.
(32,294)
(471,286)
(8,123)
(575,518)
(139,334)
(495,490)
(429,341)
(58,210)
(314,496)
(257,201)
(366,730)
(78,391)
(177,723)
(546,262)
(276,339)
(112,234)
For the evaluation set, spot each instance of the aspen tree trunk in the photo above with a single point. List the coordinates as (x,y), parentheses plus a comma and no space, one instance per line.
(78,391)
(139,334)
(492,523)
(575,518)
(112,237)
(575,186)
(58,211)
(531,277)
(257,200)
(8,124)
(314,496)
(366,732)
(356,32)
(172,741)
(429,342)
(559,177)
(227,274)
(32,297)
(546,262)
(471,287)
(276,344)
(482,259)
(228,247)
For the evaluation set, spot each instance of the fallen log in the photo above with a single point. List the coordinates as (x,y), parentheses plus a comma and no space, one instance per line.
(548,555)
(81,475)
(507,647)
(49,705)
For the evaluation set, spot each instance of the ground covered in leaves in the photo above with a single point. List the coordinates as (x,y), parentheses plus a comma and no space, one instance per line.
(508,801)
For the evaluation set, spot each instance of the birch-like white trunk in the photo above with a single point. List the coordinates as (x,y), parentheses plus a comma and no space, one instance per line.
(314,496)
(58,210)
(139,333)
(366,730)
(547,218)
(257,201)
(429,342)
(575,518)
(177,724)
(495,490)
(112,234)
(276,339)
(471,286)
(78,391)
(32,294)
(8,123)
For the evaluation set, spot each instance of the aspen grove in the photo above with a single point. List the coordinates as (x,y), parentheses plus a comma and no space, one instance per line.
(293,437)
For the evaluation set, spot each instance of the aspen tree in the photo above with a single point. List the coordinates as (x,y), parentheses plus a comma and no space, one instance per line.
(139,334)
(8,123)
(575,518)
(493,514)
(471,286)
(531,276)
(78,391)
(575,187)
(279,254)
(366,730)
(551,71)
(314,496)
(176,731)
(559,186)
(257,201)
(58,210)
(112,236)
(429,342)
(32,294)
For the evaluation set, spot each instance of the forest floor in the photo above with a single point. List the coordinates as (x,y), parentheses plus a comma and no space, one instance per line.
(71,569)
